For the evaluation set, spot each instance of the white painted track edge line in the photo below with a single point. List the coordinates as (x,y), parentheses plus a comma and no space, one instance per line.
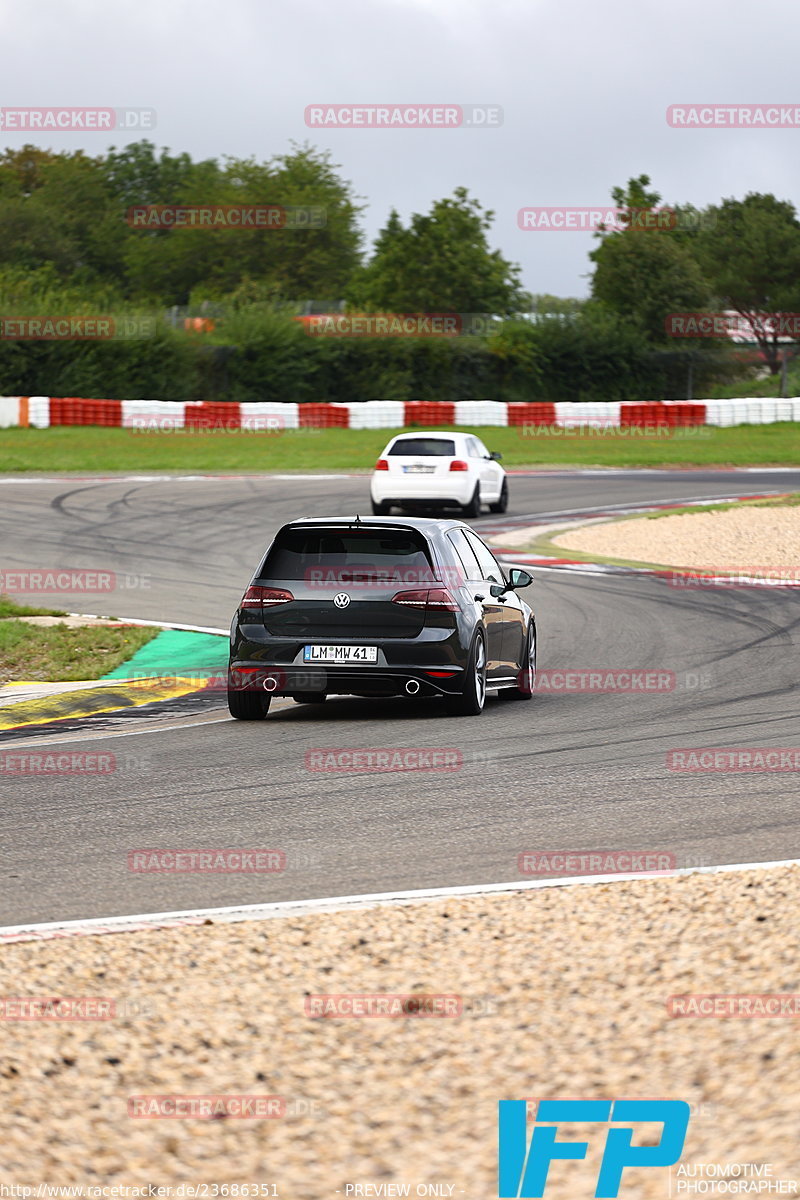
(155,624)
(88,927)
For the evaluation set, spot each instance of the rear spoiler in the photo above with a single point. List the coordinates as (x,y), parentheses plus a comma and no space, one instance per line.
(339,523)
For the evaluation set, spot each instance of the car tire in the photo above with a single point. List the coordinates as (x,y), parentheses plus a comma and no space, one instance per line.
(248,706)
(309,697)
(502,504)
(473,507)
(470,702)
(526,679)
(380,508)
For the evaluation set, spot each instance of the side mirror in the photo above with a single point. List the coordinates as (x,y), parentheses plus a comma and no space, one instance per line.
(519,579)
(496,455)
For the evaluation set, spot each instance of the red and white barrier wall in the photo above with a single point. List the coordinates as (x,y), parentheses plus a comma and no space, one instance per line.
(42,412)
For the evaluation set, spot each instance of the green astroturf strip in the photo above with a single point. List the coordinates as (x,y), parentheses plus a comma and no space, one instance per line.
(177,652)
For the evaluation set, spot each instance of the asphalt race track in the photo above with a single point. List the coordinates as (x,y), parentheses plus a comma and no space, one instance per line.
(563,772)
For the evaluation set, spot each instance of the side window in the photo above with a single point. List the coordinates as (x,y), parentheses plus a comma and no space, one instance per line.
(490,569)
(481,449)
(473,447)
(472,568)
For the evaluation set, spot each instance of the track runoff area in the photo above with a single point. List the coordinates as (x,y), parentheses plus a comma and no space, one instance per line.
(562,836)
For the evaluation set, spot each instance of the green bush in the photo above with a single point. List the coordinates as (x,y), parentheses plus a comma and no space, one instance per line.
(260,352)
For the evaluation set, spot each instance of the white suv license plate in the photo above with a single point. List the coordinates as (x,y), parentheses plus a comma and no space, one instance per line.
(340,654)
(419,469)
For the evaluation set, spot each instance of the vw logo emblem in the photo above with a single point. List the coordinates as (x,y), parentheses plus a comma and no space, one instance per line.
(341,599)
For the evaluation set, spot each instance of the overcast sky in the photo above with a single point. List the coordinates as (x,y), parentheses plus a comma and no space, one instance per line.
(584,89)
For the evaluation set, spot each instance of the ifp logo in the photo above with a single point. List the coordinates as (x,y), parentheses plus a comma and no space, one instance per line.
(523,1169)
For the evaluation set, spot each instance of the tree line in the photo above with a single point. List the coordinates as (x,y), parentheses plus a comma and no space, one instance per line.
(68,245)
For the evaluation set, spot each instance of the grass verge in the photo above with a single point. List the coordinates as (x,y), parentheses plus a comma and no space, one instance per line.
(58,654)
(790,500)
(93,448)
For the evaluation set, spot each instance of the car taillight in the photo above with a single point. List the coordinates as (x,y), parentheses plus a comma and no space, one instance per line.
(438,599)
(458,464)
(381,465)
(258,598)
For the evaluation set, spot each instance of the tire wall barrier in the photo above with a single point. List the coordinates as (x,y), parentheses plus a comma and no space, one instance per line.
(41,412)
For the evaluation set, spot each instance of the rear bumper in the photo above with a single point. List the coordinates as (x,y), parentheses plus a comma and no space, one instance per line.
(422,501)
(280,680)
(455,488)
(257,657)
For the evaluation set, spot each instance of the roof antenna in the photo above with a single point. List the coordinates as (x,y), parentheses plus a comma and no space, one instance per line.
(358,519)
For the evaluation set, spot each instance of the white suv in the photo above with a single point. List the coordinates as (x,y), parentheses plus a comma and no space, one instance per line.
(438,470)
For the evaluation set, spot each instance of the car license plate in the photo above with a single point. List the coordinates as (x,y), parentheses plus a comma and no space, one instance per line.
(419,469)
(337,654)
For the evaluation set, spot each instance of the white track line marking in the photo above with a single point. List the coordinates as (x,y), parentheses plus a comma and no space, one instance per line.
(156,624)
(287,908)
(171,478)
(561,472)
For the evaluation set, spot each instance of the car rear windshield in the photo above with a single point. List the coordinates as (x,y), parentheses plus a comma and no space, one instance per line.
(424,447)
(351,554)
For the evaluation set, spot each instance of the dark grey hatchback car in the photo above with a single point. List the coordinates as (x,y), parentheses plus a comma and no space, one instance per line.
(380,607)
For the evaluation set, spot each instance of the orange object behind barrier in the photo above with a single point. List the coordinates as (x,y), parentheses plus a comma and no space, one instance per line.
(535,413)
(323,416)
(429,412)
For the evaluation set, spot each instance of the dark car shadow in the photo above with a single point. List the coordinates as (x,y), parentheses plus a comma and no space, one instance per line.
(356,708)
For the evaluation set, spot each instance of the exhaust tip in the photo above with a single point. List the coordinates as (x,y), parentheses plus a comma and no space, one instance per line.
(270,683)
(412,687)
